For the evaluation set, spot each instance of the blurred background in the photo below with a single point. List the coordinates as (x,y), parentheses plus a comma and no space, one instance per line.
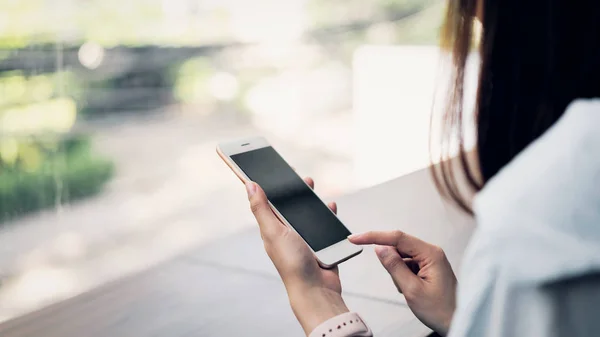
(110,112)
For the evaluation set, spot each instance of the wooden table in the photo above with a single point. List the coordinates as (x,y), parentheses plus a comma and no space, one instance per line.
(230,288)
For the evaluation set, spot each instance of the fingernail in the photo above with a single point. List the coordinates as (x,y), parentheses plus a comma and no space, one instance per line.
(381,251)
(353,236)
(250,188)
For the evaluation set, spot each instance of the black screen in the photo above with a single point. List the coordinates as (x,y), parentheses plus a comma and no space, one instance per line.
(296,202)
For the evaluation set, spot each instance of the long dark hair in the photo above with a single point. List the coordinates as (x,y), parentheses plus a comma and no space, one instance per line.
(536,58)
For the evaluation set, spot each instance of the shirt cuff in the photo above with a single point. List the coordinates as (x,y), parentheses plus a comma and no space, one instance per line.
(349,324)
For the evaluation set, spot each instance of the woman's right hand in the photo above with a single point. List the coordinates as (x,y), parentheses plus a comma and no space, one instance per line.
(420,271)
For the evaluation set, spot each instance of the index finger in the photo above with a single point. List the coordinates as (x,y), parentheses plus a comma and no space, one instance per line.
(310,182)
(406,244)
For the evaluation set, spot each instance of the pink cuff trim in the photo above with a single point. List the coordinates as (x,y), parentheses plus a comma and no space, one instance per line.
(349,324)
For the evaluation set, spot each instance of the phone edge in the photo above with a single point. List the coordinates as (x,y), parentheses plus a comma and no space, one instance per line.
(242,177)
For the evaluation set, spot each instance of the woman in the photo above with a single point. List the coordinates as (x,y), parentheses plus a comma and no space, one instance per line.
(532,267)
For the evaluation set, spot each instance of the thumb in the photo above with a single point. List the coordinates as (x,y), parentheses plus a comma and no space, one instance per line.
(267,221)
(391,260)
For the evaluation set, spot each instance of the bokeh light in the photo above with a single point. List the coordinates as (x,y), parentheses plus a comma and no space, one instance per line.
(91,55)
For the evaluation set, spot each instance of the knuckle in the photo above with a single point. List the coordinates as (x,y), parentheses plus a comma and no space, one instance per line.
(256,206)
(390,263)
(399,235)
(438,253)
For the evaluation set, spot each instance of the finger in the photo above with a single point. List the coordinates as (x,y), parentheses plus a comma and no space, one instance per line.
(310,182)
(403,277)
(267,221)
(406,244)
(333,207)
(404,255)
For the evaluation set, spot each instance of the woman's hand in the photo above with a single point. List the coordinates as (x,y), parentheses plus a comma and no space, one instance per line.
(314,293)
(420,271)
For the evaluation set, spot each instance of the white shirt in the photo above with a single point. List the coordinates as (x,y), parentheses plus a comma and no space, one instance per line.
(532,267)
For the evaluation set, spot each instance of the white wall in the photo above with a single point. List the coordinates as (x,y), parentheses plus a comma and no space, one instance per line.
(394,89)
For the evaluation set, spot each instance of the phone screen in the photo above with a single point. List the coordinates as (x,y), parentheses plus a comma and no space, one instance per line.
(288,193)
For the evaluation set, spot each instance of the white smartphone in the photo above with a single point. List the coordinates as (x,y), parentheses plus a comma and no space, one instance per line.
(291,199)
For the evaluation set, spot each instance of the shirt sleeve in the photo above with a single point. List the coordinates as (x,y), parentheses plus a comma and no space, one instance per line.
(575,306)
(565,308)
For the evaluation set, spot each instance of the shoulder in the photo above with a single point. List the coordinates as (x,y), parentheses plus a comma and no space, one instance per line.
(538,225)
(545,204)
(564,157)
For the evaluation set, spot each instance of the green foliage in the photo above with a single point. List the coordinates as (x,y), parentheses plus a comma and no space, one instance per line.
(72,173)
(20,88)
(191,80)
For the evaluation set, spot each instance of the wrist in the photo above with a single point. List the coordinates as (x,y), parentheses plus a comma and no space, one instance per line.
(443,321)
(445,326)
(315,306)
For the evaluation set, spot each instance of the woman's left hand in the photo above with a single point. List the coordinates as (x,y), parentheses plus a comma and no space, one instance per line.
(314,292)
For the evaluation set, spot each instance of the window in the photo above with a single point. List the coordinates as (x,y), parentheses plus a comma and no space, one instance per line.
(110,112)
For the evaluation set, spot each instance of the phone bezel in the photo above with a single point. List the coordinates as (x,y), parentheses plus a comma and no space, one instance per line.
(327,257)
